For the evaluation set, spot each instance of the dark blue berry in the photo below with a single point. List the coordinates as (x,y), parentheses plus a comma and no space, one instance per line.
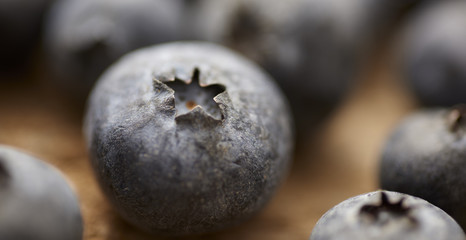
(385,215)
(425,156)
(188,138)
(36,203)
(433,54)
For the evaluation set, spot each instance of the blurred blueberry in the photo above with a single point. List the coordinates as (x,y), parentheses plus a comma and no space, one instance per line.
(36,202)
(83,37)
(433,53)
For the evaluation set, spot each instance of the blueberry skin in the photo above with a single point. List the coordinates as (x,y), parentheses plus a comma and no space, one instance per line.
(433,54)
(36,202)
(311,47)
(385,215)
(83,37)
(425,156)
(174,169)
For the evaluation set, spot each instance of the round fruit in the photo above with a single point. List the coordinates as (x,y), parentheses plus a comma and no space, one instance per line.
(84,37)
(384,215)
(433,54)
(188,137)
(426,157)
(36,203)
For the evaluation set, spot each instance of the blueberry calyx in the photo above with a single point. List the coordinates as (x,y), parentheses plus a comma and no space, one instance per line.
(194,98)
(456,118)
(382,213)
(4,175)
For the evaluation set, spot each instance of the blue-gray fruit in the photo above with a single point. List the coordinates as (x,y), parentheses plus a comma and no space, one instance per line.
(187,137)
(433,54)
(36,203)
(83,37)
(425,156)
(385,215)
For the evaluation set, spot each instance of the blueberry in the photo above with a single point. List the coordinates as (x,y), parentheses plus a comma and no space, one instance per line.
(311,47)
(426,157)
(433,54)
(187,138)
(385,215)
(83,37)
(20,24)
(36,203)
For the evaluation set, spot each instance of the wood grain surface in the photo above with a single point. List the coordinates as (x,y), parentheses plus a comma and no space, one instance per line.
(337,162)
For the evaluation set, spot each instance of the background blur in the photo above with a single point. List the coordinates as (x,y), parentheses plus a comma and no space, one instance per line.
(335,160)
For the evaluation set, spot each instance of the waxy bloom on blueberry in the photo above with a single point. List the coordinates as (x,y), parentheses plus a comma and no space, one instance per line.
(385,215)
(36,203)
(426,157)
(188,137)
(433,53)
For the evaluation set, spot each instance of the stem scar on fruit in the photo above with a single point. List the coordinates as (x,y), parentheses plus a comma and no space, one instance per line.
(191,94)
(385,211)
